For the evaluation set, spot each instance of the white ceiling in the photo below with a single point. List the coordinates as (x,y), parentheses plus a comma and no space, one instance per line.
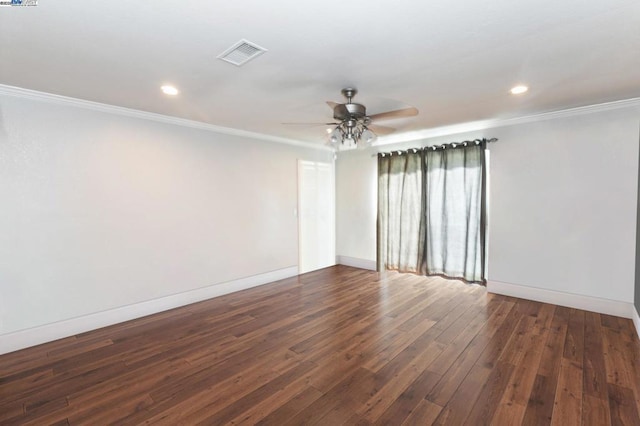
(454,60)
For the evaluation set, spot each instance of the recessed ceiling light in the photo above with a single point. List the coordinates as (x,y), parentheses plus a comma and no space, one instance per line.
(169,90)
(518,90)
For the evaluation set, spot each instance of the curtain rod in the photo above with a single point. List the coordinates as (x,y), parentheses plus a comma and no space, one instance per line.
(437,147)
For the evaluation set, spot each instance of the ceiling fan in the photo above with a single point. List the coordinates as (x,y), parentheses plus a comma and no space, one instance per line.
(354,125)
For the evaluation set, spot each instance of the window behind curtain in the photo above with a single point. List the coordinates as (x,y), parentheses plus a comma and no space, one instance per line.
(430,212)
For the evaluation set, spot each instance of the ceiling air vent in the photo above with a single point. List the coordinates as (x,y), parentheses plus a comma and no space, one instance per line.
(241,52)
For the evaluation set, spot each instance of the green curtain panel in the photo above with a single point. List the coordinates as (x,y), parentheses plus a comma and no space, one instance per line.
(431,212)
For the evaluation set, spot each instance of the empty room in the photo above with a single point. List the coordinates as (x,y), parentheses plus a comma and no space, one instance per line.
(320,213)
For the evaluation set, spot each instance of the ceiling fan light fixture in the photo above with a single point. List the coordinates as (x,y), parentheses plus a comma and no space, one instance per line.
(368,136)
(336,136)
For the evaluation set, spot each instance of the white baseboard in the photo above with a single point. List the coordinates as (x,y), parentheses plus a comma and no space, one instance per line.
(356,262)
(46,333)
(636,320)
(587,303)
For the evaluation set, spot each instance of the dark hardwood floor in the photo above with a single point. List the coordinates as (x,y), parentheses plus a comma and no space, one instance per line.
(337,346)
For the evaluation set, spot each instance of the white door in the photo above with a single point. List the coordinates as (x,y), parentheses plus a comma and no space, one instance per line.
(316,216)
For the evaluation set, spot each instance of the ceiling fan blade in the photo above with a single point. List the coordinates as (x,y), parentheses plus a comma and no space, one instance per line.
(399,113)
(380,130)
(340,112)
(310,124)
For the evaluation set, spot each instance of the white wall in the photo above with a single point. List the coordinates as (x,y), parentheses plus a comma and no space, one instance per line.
(100,211)
(356,204)
(563,203)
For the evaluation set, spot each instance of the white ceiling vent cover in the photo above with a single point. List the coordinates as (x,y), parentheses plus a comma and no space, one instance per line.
(241,52)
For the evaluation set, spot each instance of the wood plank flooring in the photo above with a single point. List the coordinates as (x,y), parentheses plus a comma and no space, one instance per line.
(337,346)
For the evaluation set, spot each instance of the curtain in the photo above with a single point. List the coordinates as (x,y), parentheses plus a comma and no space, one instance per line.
(431,212)
(400,219)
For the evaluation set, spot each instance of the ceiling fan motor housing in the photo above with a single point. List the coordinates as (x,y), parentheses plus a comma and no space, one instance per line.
(346,111)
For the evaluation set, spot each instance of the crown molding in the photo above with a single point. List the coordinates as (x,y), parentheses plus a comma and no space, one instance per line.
(19,92)
(474,126)
(434,132)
